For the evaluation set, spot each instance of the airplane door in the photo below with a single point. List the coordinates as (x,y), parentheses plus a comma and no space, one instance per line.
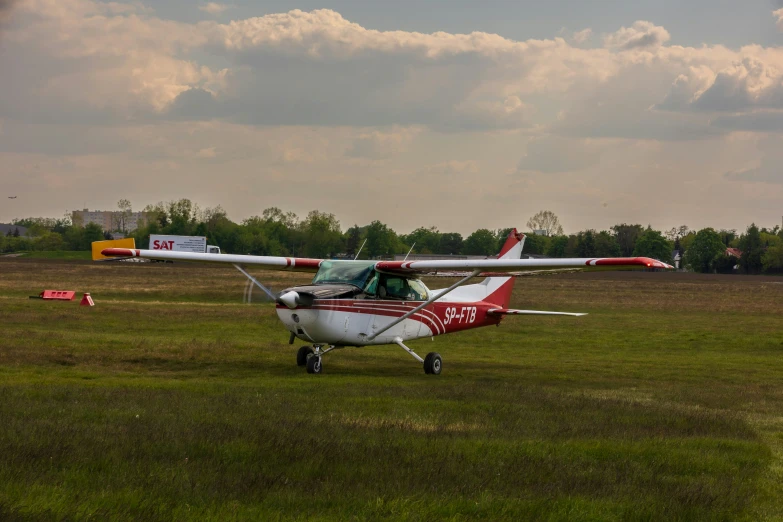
(395,299)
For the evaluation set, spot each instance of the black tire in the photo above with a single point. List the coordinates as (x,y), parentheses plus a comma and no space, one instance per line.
(301,355)
(314,364)
(433,364)
(428,363)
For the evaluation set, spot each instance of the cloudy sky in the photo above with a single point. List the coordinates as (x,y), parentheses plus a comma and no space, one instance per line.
(455,114)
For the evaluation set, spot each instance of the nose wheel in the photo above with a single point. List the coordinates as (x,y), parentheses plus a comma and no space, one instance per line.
(314,364)
(310,357)
(302,355)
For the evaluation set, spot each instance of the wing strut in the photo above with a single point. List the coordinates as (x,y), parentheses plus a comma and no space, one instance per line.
(425,303)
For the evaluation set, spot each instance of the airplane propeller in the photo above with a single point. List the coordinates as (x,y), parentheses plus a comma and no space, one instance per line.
(291,299)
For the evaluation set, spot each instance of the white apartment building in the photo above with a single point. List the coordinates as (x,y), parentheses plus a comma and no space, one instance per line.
(109,220)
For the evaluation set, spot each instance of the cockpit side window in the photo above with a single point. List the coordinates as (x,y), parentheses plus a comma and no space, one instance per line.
(418,289)
(398,287)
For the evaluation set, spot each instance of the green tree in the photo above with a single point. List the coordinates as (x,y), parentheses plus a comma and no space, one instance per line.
(482,242)
(557,246)
(626,236)
(50,242)
(652,244)
(704,252)
(381,241)
(353,240)
(450,243)
(728,237)
(534,244)
(752,251)
(606,245)
(426,240)
(92,232)
(772,259)
(585,244)
(322,235)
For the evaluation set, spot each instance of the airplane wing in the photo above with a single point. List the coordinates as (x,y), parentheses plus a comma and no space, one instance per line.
(517,265)
(485,266)
(296,264)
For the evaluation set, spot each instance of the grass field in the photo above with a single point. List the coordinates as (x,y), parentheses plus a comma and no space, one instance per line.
(170,399)
(81,255)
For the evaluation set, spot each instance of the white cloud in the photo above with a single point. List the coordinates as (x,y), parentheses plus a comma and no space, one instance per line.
(641,35)
(207,152)
(378,145)
(687,88)
(114,58)
(779,15)
(551,154)
(765,169)
(120,61)
(746,84)
(580,37)
(214,8)
(454,168)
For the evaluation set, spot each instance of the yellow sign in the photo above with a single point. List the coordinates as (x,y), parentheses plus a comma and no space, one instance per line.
(98,246)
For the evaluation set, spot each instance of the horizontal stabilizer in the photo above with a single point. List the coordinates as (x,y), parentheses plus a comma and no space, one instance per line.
(503,311)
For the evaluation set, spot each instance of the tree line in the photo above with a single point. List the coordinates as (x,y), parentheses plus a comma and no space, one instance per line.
(319,235)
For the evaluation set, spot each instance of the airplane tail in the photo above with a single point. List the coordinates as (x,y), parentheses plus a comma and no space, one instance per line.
(493,289)
(499,288)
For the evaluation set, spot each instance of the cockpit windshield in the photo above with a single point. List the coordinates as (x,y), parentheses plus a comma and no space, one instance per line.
(353,273)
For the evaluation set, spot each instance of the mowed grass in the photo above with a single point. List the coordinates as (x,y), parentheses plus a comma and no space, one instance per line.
(56,254)
(170,399)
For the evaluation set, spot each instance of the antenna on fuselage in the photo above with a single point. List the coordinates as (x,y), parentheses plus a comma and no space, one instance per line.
(360,250)
(409,251)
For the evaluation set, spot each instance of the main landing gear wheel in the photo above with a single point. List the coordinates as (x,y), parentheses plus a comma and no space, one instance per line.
(301,355)
(314,364)
(433,364)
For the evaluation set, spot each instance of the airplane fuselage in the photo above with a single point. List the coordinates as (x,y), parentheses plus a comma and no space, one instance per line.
(350,322)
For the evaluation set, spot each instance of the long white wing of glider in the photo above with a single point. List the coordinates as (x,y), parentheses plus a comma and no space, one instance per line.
(518,265)
(297,264)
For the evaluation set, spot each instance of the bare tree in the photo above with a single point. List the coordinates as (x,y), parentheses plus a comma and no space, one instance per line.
(121,222)
(677,233)
(546,220)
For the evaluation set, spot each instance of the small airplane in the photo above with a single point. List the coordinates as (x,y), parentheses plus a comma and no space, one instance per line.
(363,303)
(11,197)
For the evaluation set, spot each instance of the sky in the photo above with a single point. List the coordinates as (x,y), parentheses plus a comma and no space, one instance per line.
(454,114)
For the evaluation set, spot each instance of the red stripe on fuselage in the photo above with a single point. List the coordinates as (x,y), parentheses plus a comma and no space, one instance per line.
(440,317)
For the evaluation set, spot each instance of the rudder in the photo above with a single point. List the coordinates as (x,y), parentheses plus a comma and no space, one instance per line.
(499,288)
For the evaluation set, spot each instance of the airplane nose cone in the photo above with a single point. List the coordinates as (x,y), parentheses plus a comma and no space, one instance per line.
(289,299)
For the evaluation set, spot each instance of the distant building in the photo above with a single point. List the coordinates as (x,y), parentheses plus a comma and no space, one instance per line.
(5,229)
(733,252)
(110,220)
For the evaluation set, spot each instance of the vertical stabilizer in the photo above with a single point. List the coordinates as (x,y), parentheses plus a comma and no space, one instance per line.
(499,288)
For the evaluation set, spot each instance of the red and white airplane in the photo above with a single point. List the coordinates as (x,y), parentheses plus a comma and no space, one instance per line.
(361,303)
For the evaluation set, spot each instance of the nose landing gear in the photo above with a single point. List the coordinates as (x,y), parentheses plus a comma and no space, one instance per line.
(310,357)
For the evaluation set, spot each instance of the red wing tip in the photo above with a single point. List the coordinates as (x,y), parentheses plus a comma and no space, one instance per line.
(119,252)
(629,261)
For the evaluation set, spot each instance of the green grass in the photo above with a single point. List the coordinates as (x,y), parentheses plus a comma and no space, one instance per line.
(171,400)
(58,254)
